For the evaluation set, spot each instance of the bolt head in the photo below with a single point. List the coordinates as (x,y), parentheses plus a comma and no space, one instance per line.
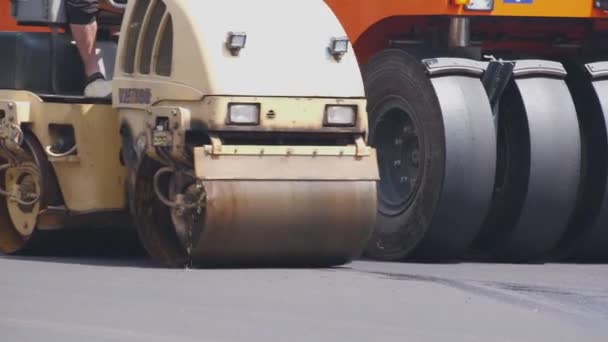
(415,157)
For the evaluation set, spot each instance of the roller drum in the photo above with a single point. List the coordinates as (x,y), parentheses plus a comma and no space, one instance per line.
(315,223)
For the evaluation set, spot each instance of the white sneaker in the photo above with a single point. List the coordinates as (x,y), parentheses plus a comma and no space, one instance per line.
(99,88)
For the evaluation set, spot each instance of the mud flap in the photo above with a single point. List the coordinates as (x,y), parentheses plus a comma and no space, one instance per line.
(470,144)
(539,164)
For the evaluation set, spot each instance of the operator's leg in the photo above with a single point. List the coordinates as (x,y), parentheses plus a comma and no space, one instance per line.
(83,24)
(84,35)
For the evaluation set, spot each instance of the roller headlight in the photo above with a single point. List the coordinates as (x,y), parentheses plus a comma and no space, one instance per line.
(338,47)
(236,42)
(484,5)
(244,114)
(340,115)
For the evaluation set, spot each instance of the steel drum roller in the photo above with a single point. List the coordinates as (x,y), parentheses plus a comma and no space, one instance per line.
(312,222)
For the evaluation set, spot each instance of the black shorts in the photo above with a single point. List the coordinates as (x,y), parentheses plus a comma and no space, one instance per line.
(81,12)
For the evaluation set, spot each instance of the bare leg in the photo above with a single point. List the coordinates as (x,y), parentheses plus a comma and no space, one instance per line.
(85,36)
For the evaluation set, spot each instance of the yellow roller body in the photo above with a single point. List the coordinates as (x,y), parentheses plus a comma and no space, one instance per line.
(291,185)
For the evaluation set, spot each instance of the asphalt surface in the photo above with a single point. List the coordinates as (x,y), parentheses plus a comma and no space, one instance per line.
(76,299)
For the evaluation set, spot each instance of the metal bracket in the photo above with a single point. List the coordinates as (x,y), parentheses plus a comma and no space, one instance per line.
(217,149)
(451,66)
(597,70)
(496,78)
(172,134)
(216,145)
(362,149)
(536,67)
(12,114)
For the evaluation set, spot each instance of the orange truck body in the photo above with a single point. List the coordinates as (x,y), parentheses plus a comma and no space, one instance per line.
(369,22)
(358,15)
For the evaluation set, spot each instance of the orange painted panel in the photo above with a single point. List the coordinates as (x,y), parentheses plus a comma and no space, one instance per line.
(358,15)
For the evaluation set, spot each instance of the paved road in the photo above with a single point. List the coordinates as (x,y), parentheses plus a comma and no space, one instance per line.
(130,300)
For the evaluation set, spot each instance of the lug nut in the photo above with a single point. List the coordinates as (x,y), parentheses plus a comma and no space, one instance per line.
(415,157)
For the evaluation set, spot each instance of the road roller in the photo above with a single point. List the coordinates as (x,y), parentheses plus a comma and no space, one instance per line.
(489,118)
(228,141)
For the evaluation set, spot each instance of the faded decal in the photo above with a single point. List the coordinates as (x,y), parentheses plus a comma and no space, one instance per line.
(135,95)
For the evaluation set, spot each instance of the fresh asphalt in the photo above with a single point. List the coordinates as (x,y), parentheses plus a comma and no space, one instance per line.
(129,299)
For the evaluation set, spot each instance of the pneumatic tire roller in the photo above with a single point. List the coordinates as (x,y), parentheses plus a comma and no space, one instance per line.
(227,142)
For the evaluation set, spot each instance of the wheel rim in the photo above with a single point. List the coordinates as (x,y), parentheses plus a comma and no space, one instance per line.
(153,219)
(27,179)
(398,142)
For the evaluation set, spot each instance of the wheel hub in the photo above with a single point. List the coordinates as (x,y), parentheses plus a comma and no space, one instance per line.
(188,215)
(23,183)
(398,145)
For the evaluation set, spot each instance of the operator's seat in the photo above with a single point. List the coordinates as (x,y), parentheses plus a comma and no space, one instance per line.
(48,63)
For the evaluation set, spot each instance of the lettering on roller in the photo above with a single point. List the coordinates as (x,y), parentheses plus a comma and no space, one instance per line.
(135,95)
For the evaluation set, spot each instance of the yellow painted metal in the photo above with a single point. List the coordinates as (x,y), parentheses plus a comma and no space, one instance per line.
(263,202)
(292,61)
(359,149)
(94,178)
(277,114)
(283,113)
(285,163)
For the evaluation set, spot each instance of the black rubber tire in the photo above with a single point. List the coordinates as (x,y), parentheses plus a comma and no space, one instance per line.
(587,236)
(538,173)
(153,220)
(443,213)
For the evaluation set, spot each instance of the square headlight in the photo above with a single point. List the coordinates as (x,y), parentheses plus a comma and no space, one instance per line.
(337,115)
(236,42)
(338,47)
(244,114)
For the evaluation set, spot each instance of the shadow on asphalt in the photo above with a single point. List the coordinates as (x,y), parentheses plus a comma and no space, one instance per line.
(94,247)
(97,260)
